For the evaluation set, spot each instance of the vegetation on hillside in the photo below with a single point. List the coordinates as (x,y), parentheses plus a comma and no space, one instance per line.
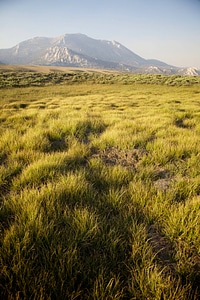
(29,77)
(99,186)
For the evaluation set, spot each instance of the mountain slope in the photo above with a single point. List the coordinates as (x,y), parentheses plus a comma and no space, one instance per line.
(79,50)
(69,49)
(101,49)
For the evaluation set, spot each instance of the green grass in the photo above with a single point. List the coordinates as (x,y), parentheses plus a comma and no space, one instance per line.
(99,186)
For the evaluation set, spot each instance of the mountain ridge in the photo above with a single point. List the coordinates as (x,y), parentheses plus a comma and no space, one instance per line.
(79,50)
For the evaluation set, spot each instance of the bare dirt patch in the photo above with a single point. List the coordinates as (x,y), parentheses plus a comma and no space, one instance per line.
(162,180)
(114,156)
(163,249)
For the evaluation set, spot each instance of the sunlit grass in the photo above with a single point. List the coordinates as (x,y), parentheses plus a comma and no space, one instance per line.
(87,168)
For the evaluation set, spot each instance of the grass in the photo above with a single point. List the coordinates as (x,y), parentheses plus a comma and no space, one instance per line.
(99,186)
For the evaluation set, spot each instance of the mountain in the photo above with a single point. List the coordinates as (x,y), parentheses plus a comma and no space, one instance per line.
(71,50)
(189,71)
(79,50)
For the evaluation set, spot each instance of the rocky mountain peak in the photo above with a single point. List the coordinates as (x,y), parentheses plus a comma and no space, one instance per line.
(79,50)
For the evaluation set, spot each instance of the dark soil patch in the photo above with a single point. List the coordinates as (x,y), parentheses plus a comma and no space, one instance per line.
(162,180)
(163,249)
(126,158)
(165,252)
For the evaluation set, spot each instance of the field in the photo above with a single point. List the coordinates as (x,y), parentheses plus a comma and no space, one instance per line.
(99,185)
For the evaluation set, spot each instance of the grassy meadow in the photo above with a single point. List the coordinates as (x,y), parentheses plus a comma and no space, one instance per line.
(99,186)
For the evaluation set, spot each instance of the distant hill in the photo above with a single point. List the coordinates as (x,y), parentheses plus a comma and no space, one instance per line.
(79,50)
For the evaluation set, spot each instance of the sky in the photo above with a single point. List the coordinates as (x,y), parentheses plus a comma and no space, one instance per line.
(167,30)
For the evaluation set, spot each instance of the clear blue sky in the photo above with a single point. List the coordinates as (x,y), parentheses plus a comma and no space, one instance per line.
(168,30)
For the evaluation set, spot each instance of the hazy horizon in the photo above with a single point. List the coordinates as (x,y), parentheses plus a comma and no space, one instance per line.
(167,30)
